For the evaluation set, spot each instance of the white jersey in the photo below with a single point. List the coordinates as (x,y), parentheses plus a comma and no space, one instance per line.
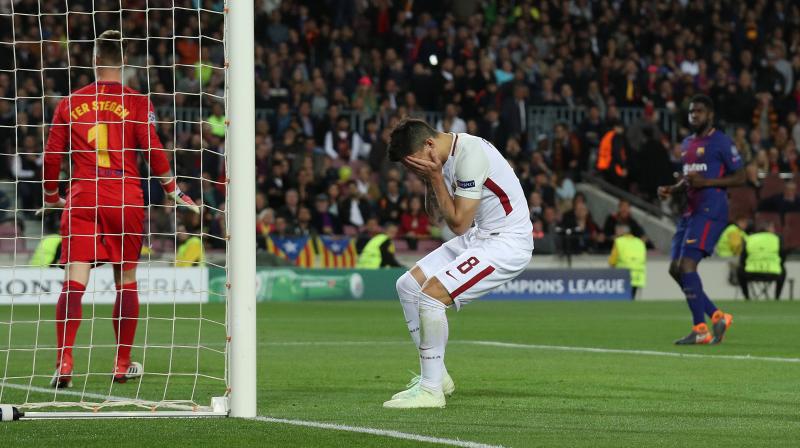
(475,169)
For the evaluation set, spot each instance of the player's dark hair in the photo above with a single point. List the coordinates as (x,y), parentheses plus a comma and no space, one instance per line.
(408,137)
(704,100)
(109,48)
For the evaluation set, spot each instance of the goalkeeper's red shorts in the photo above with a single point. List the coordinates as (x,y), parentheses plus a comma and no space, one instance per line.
(102,234)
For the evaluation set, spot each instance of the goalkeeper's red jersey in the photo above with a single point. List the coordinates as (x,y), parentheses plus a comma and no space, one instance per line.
(103,128)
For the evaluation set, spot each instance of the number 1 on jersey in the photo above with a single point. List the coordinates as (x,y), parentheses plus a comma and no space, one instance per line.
(99,134)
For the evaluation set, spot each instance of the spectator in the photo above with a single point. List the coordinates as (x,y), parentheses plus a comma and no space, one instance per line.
(536,206)
(783,203)
(613,155)
(515,112)
(282,228)
(414,223)
(291,207)
(565,192)
(622,217)
(278,182)
(367,187)
(304,226)
(343,143)
(590,131)
(389,204)
(566,152)
(354,210)
(586,235)
(492,129)
(323,221)
(451,122)
(312,70)
(26,169)
(653,166)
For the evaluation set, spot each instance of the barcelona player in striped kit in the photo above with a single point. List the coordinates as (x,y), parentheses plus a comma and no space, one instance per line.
(711,164)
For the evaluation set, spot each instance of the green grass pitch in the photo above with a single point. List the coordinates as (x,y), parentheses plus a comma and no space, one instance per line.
(336,362)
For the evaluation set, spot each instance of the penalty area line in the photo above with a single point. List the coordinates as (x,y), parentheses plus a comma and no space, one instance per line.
(376,432)
(622,351)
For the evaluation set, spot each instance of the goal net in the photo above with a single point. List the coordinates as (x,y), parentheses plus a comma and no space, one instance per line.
(175,53)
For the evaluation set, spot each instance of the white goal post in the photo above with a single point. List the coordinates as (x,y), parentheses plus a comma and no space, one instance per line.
(197,344)
(242,293)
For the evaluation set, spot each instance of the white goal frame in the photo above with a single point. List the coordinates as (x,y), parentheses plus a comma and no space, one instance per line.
(240,296)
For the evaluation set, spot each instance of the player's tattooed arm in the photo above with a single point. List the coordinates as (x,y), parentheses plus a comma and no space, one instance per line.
(431,205)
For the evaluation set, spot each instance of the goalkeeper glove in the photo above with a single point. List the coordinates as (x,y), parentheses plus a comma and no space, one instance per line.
(52,200)
(180,198)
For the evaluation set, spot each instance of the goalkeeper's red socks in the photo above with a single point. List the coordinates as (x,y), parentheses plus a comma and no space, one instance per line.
(126,316)
(68,319)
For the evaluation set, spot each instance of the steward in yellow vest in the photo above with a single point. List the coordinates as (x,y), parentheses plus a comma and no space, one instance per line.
(379,251)
(730,247)
(47,252)
(732,239)
(190,252)
(762,260)
(630,252)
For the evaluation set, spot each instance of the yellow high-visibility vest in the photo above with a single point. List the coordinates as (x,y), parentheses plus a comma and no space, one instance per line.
(190,253)
(731,241)
(45,252)
(370,257)
(763,253)
(630,253)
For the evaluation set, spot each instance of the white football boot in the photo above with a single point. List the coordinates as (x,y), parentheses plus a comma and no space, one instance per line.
(419,397)
(448,386)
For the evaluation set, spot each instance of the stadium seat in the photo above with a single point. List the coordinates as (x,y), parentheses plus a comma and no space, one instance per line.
(743,202)
(771,186)
(791,236)
(773,217)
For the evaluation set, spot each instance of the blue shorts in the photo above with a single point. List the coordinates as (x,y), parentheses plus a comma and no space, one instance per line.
(696,237)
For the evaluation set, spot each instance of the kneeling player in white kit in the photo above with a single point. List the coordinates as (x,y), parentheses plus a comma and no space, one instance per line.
(467,181)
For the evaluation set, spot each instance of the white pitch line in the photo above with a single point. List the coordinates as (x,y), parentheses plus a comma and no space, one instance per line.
(378,432)
(565,348)
(622,351)
(310,424)
(72,393)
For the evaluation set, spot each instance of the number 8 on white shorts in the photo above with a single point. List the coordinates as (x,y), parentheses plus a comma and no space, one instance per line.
(470,266)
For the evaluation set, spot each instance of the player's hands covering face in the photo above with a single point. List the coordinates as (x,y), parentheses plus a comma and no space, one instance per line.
(425,164)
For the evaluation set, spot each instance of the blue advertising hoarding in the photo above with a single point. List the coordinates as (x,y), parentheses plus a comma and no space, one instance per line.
(566,284)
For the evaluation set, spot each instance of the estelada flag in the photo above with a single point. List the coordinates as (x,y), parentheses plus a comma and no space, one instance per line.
(296,249)
(338,251)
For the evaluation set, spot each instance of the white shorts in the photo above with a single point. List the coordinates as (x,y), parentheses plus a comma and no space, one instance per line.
(475,263)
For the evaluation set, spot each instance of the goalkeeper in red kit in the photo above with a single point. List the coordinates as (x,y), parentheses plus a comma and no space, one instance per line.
(103,128)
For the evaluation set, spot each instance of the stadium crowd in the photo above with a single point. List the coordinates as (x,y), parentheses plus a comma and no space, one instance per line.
(324,65)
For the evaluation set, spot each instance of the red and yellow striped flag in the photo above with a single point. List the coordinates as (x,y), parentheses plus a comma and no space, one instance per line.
(338,252)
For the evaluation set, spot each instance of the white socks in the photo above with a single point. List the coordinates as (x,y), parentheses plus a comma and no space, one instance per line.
(410,292)
(433,339)
(408,289)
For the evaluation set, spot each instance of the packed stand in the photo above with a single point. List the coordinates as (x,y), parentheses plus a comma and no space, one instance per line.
(333,76)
